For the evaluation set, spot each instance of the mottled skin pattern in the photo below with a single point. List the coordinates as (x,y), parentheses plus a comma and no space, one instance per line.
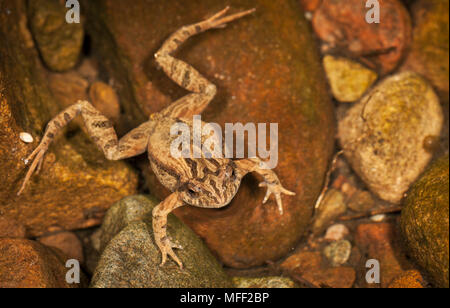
(202,182)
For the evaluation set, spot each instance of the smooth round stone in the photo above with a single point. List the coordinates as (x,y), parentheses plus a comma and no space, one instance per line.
(383,134)
(425,221)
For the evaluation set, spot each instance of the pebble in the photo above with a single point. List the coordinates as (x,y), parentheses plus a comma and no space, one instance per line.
(336,232)
(378,218)
(338,252)
(348,79)
(26,137)
(332,206)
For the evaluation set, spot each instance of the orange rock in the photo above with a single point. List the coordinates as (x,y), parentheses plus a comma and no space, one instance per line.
(380,241)
(334,277)
(105,99)
(11,228)
(409,279)
(342,26)
(28,264)
(309,266)
(267,70)
(67,242)
(429,51)
(310,5)
(303,261)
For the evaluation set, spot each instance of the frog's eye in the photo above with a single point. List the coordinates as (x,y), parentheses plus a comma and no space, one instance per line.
(193,190)
(230,172)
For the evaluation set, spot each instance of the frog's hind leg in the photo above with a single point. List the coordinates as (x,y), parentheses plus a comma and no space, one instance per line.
(100,130)
(159,223)
(185,75)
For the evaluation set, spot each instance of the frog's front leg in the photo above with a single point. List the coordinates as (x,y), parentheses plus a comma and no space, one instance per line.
(100,130)
(271,180)
(159,222)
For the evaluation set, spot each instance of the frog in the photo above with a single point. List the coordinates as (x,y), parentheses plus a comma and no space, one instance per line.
(208,182)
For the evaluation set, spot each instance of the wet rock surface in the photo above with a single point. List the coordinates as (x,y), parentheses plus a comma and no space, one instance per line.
(76,184)
(11,228)
(105,99)
(332,205)
(266,72)
(383,134)
(132,259)
(264,282)
(58,41)
(381,241)
(429,47)
(124,212)
(425,222)
(29,264)
(342,26)
(408,280)
(348,80)
(67,242)
(310,267)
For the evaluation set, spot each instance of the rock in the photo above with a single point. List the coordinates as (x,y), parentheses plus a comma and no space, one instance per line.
(383,134)
(76,184)
(302,261)
(342,26)
(67,242)
(28,264)
(264,282)
(68,88)
(361,201)
(425,222)
(338,252)
(380,241)
(335,277)
(310,5)
(132,260)
(332,206)
(378,218)
(124,212)
(105,99)
(348,80)
(411,279)
(90,239)
(261,78)
(88,69)
(58,41)
(11,228)
(336,232)
(429,50)
(308,266)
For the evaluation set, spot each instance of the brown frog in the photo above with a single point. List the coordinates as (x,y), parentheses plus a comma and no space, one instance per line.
(202,182)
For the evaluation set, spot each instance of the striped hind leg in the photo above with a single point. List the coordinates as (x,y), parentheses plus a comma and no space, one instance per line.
(100,130)
(185,75)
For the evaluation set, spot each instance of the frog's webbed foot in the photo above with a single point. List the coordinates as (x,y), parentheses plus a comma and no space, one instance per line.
(166,247)
(37,157)
(159,222)
(217,21)
(277,189)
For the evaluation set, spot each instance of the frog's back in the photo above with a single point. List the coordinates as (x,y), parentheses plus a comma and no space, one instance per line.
(173,171)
